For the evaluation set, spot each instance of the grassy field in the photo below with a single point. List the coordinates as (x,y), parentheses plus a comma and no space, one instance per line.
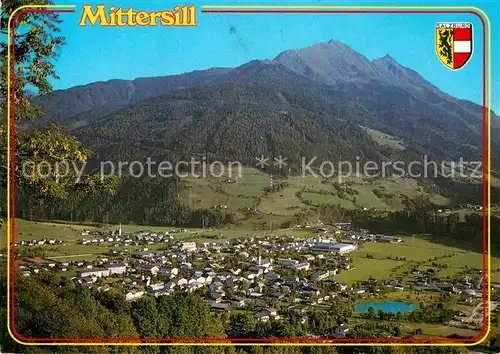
(210,191)
(317,198)
(363,268)
(71,233)
(412,250)
(301,195)
(495,277)
(28,230)
(430,330)
(438,330)
(282,203)
(385,140)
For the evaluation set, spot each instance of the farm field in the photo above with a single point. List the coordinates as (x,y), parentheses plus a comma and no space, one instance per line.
(438,330)
(71,233)
(363,268)
(412,248)
(430,330)
(284,202)
(301,194)
(317,198)
(385,139)
(406,255)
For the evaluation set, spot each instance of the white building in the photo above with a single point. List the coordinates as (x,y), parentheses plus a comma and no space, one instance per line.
(97,272)
(157,286)
(188,246)
(263,263)
(134,294)
(340,248)
(287,262)
(116,268)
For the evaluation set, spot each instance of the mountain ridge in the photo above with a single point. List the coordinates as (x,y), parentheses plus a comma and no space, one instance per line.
(115,93)
(329,79)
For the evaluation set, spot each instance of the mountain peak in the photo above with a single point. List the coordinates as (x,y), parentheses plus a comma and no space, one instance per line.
(389,63)
(326,62)
(392,69)
(333,44)
(388,58)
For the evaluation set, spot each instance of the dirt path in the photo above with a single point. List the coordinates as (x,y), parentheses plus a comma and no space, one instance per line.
(71,256)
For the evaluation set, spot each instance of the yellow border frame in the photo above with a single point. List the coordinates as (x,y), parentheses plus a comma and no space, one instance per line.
(242,7)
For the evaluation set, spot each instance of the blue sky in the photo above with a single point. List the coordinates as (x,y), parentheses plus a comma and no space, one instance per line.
(104,53)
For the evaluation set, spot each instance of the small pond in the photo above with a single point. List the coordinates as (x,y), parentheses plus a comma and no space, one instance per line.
(387,306)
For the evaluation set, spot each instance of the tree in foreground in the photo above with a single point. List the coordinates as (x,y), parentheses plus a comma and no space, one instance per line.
(37,44)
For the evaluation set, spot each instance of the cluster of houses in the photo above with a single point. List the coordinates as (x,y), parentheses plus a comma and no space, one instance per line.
(119,238)
(470,286)
(474,207)
(39,242)
(253,273)
(269,275)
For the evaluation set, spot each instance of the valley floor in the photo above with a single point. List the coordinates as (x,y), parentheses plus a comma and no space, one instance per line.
(415,262)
